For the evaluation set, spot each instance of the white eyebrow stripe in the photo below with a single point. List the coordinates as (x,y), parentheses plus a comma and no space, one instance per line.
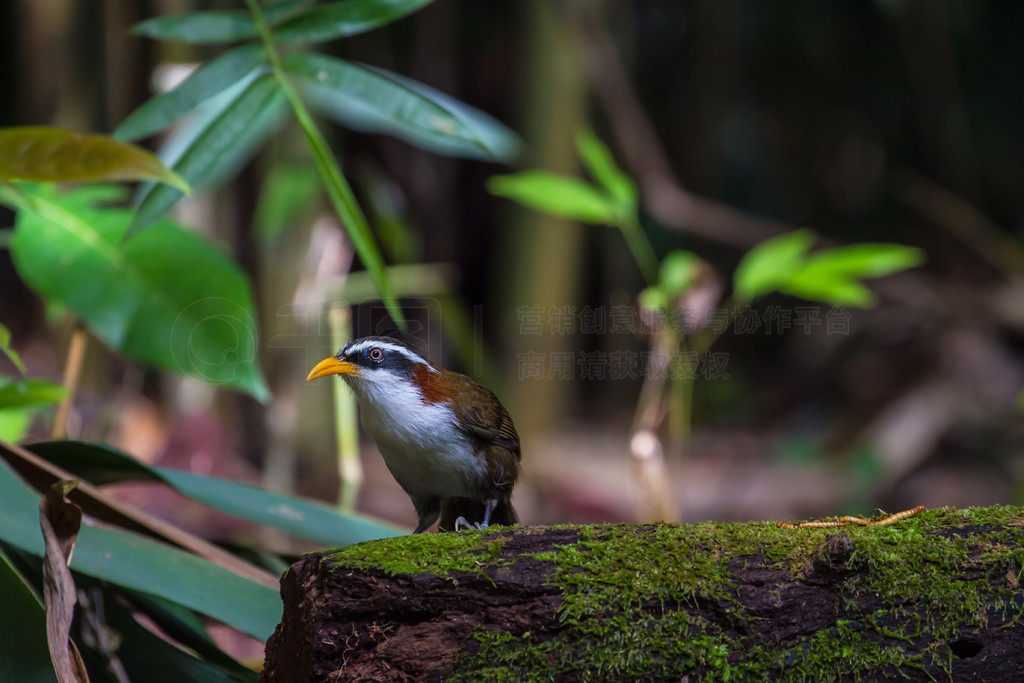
(361,346)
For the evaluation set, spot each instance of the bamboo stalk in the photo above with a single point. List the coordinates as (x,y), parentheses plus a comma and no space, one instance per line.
(72,371)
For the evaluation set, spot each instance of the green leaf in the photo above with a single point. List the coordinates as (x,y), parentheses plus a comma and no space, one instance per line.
(28,393)
(652,298)
(600,164)
(40,154)
(832,288)
(213,27)
(865,260)
(771,263)
(228,141)
(366,98)
(678,269)
(24,655)
(143,653)
(199,27)
(342,19)
(14,423)
(102,464)
(135,562)
(205,82)
(5,348)
(556,194)
(165,297)
(186,627)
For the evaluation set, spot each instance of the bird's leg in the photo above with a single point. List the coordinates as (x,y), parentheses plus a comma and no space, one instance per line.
(488,509)
(843,521)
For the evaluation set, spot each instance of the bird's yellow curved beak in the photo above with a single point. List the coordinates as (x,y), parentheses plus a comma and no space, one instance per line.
(332,366)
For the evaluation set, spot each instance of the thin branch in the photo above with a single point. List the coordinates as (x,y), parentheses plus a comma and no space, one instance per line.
(72,370)
(666,199)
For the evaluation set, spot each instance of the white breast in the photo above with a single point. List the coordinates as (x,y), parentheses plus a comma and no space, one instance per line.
(420,443)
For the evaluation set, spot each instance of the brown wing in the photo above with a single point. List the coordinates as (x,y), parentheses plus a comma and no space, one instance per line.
(481,414)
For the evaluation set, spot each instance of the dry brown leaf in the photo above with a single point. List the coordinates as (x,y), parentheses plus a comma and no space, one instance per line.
(60,520)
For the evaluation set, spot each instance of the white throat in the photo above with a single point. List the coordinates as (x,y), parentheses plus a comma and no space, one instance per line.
(420,442)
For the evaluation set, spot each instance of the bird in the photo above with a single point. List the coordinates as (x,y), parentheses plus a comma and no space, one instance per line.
(447,440)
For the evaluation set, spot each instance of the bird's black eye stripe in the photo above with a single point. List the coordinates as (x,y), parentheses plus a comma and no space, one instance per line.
(375,353)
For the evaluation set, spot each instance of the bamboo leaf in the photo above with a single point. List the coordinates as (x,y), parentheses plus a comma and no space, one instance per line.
(23,652)
(103,464)
(601,165)
(213,27)
(205,82)
(370,99)
(40,154)
(771,263)
(556,194)
(342,19)
(138,563)
(28,393)
(218,150)
(199,27)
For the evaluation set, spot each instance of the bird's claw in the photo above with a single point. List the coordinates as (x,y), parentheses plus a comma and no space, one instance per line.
(461,523)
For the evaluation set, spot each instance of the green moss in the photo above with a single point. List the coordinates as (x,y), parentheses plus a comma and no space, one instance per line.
(632,597)
(438,554)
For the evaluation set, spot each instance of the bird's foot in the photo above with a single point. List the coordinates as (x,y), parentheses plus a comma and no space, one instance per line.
(461,524)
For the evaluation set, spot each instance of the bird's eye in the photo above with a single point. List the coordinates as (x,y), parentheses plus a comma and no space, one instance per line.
(375,353)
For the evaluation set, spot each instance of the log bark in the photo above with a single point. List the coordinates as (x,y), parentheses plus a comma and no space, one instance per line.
(937,596)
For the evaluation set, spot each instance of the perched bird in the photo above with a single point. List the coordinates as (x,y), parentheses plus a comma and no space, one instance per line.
(447,440)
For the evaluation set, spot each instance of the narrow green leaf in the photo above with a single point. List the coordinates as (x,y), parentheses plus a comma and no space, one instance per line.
(135,562)
(212,27)
(199,27)
(5,348)
(345,205)
(40,154)
(864,260)
(338,190)
(342,19)
(24,655)
(28,393)
(369,99)
(834,289)
(601,165)
(165,297)
(102,464)
(205,82)
(556,194)
(771,263)
(221,148)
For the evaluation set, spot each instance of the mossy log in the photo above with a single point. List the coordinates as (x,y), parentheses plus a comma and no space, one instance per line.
(934,597)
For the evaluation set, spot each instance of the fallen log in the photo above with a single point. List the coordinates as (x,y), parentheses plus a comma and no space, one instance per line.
(937,596)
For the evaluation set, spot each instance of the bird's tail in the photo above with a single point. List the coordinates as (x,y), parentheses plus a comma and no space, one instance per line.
(473,511)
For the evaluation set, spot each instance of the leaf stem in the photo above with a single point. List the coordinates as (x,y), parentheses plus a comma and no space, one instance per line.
(641,247)
(338,189)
